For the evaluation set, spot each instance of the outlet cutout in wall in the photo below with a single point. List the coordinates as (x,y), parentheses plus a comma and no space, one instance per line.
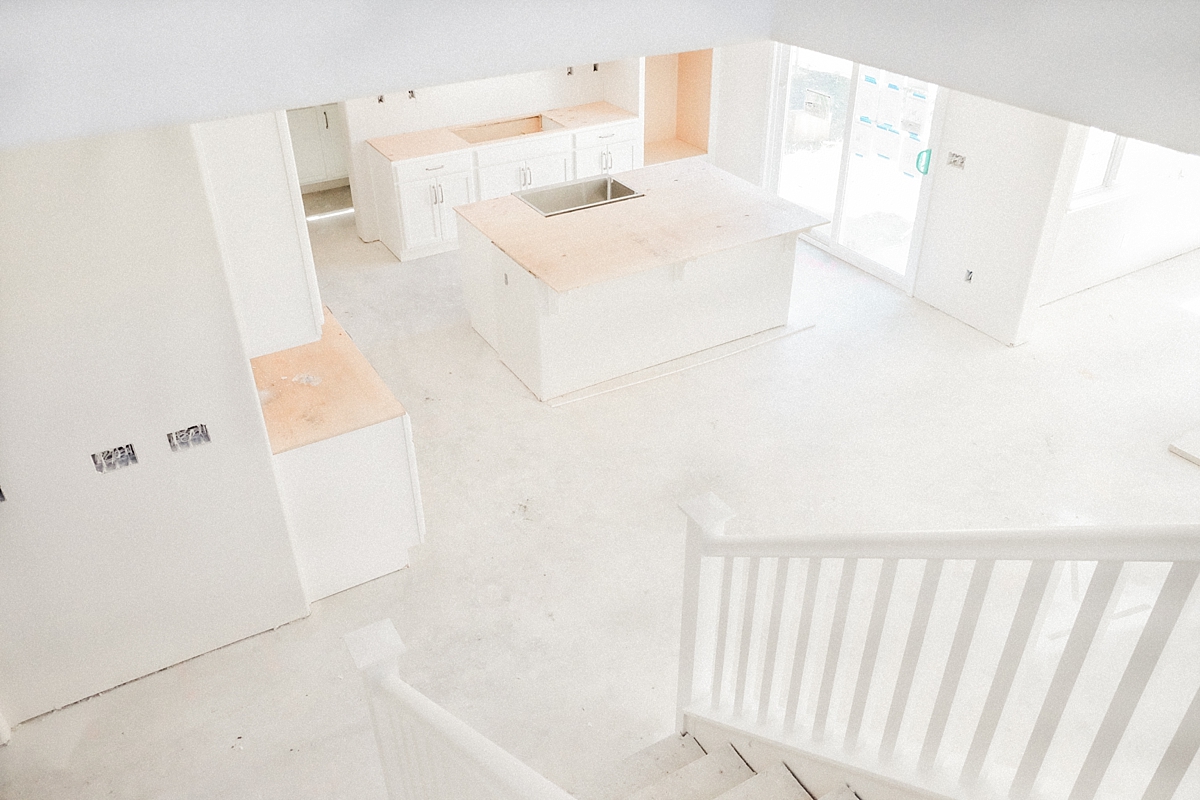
(2,495)
(186,438)
(957,160)
(970,274)
(117,458)
(412,95)
(570,70)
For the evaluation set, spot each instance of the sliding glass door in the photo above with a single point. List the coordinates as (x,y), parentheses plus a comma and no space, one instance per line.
(856,149)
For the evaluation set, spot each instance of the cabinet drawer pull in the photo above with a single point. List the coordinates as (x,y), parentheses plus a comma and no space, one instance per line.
(441,194)
(433,194)
(606,136)
(431,169)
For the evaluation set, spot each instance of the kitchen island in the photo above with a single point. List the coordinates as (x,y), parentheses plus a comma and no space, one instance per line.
(571,300)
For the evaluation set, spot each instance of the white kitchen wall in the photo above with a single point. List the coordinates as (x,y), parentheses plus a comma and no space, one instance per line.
(473,101)
(1123,229)
(997,216)
(251,177)
(742,77)
(117,327)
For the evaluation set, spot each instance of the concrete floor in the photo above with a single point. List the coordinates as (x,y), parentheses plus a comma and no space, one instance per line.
(543,608)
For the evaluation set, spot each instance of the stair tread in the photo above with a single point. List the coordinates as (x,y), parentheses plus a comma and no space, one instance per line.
(703,779)
(775,783)
(646,766)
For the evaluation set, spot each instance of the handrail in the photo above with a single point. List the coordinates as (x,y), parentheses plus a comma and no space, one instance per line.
(417,770)
(743,635)
(1061,543)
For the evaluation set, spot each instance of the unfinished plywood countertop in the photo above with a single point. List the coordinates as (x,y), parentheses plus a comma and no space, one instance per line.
(320,390)
(690,208)
(418,144)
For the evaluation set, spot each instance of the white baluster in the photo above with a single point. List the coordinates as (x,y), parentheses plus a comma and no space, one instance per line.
(747,624)
(866,667)
(912,653)
(834,651)
(1091,613)
(806,617)
(1017,640)
(1158,627)
(764,694)
(968,618)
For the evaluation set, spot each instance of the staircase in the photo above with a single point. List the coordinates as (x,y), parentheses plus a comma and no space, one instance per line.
(680,768)
(974,665)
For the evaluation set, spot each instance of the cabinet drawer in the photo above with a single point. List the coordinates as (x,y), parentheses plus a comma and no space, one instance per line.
(607,134)
(524,148)
(432,166)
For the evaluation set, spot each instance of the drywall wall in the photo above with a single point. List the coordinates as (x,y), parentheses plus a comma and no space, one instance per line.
(1125,66)
(743,76)
(463,103)
(116,328)
(252,180)
(121,66)
(1123,229)
(662,91)
(694,97)
(995,217)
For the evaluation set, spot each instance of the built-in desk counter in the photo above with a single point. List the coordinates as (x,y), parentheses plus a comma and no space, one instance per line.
(572,300)
(344,459)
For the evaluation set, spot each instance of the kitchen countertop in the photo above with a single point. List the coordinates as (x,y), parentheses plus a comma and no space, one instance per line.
(690,208)
(317,391)
(403,146)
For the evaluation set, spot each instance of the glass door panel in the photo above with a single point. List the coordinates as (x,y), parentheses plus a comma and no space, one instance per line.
(818,93)
(889,143)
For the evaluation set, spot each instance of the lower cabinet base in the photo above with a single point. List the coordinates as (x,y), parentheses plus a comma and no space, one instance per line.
(421,252)
(353,504)
(558,343)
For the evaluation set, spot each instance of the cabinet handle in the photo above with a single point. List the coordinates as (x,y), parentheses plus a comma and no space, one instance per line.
(326,113)
(606,136)
(433,194)
(441,194)
(431,169)
(528,176)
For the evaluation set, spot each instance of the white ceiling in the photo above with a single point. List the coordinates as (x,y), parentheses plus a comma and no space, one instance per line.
(73,68)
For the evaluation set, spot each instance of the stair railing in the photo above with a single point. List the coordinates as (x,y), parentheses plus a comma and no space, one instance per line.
(426,752)
(784,637)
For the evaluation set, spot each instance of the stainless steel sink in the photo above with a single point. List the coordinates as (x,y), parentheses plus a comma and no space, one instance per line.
(575,195)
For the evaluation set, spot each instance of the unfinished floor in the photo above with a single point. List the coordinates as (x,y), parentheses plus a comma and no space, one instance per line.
(544,607)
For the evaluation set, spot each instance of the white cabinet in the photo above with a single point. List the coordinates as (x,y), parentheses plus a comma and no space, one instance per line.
(524,164)
(612,148)
(427,216)
(320,143)
(418,197)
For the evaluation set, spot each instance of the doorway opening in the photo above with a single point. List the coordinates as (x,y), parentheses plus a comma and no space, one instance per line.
(855,149)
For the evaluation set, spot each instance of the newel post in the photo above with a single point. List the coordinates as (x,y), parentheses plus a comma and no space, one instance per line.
(706,517)
(376,650)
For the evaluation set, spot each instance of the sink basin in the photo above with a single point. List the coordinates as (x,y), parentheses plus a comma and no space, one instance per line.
(575,195)
(505,129)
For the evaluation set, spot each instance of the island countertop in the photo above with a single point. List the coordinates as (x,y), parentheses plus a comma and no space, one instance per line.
(690,208)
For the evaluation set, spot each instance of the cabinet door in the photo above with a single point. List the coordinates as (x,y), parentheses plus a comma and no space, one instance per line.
(621,156)
(419,213)
(590,161)
(306,144)
(545,170)
(499,180)
(335,146)
(454,190)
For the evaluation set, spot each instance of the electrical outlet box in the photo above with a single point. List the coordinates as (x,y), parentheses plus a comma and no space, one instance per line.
(957,160)
(114,459)
(186,438)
